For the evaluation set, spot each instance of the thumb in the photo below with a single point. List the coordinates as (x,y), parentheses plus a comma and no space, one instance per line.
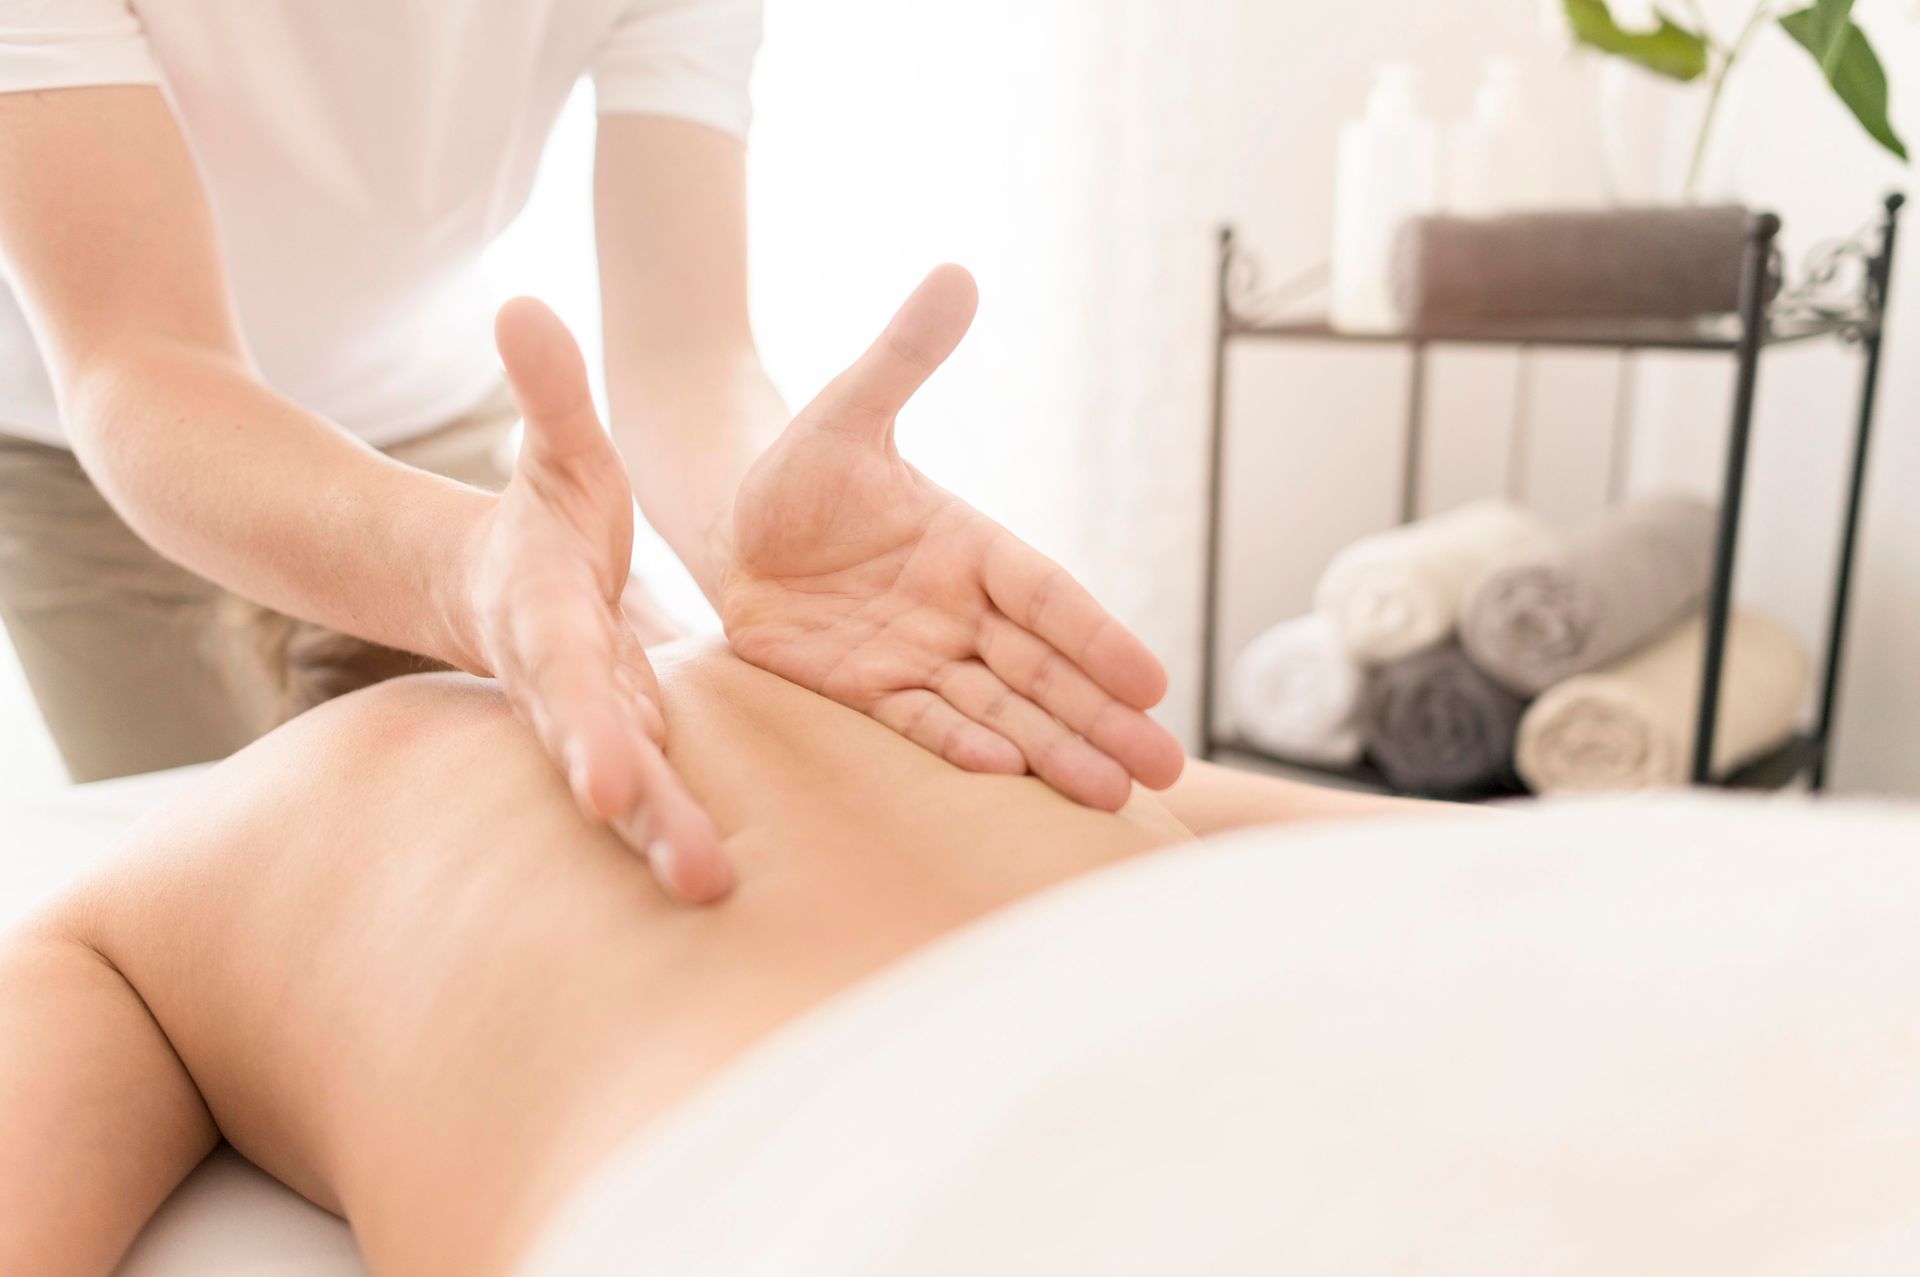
(926,329)
(548,376)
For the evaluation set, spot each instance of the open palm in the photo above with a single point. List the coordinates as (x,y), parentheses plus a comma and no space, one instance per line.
(547,581)
(856,576)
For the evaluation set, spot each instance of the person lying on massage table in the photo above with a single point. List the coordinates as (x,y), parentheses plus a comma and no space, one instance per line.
(388,956)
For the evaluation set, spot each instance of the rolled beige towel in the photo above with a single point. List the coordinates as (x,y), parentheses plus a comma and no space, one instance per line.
(1630,725)
(1397,592)
(1296,693)
(1611,586)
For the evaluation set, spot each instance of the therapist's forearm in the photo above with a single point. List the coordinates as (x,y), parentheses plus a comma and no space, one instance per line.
(689,427)
(238,484)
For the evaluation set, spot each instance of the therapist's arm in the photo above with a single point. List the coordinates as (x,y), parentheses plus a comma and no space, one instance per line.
(831,560)
(692,406)
(108,241)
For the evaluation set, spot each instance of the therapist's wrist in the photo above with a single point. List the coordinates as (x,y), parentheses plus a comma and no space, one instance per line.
(716,570)
(699,532)
(450,589)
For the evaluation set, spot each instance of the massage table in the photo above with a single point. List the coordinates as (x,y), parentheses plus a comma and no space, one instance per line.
(1665,1035)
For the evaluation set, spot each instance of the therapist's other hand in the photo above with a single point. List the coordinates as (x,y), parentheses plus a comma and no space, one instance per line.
(549,567)
(852,574)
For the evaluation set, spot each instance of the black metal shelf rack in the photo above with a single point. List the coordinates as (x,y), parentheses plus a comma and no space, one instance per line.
(1843,295)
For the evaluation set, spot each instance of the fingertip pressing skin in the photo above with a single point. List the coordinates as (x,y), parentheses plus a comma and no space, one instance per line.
(676,836)
(1160,767)
(1135,675)
(615,786)
(1106,785)
(684,850)
(701,876)
(1148,752)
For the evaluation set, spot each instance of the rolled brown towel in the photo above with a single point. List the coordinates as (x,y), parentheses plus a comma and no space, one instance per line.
(1435,724)
(1670,263)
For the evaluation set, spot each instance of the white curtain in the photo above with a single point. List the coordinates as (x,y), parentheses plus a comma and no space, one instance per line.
(1068,154)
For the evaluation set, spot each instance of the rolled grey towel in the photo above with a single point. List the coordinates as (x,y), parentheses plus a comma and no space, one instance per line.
(1671,263)
(1612,585)
(1435,724)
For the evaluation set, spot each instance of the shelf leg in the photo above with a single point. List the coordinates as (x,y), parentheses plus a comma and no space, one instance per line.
(1216,486)
(1755,276)
(1879,279)
(1620,450)
(1518,432)
(1416,428)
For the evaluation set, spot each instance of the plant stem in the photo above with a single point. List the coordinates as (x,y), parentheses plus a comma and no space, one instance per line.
(1705,28)
(1762,13)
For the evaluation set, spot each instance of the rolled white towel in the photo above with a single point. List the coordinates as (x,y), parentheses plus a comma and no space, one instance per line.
(1630,725)
(1296,691)
(1397,592)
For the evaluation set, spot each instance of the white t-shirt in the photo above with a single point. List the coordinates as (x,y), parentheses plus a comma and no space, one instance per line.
(359,155)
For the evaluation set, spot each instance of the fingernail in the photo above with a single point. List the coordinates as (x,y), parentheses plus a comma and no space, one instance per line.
(659,852)
(700,881)
(636,830)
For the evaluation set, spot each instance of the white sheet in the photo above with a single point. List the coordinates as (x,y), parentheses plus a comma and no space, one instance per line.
(50,837)
(229,1219)
(1654,1036)
(1651,1036)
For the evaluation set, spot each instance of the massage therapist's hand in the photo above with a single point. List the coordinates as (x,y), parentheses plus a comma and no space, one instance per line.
(852,574)
(546,574)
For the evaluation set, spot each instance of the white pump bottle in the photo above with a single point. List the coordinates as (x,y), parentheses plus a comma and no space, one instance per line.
(1389,170)
(1497,157)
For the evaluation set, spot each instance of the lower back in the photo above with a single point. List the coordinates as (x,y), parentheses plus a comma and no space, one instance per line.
(415,984)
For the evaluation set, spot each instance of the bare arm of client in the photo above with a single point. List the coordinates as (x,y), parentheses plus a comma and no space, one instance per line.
(258,964)
(1210,799)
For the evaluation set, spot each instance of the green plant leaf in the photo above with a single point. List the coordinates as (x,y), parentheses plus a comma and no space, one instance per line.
(1851,67)
(1669,49)
(1827,23)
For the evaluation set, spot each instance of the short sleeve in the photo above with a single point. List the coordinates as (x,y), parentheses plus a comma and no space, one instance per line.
(688,59)
(66,44)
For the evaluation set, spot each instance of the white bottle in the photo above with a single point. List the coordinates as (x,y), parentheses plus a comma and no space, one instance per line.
(1389,170)
(1497,157)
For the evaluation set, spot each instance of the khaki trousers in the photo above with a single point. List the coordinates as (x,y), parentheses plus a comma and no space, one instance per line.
(136,663)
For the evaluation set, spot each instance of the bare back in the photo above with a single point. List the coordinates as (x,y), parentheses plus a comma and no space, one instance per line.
(412,982)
